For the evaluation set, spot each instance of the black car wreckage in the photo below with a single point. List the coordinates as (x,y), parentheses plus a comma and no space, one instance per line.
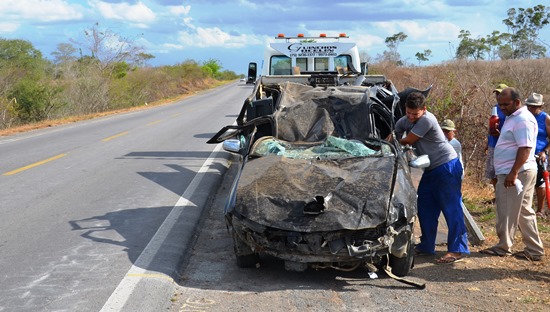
(318,184)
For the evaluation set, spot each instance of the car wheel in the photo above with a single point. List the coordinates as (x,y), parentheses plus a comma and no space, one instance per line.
(246,257)
(248,261)
(402,266)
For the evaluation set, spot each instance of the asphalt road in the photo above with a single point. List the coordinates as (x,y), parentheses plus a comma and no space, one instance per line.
(80,203)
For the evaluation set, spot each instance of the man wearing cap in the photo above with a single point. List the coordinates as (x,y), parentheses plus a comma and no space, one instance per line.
(449,130)
(492,140)
(516,171)
(534,105)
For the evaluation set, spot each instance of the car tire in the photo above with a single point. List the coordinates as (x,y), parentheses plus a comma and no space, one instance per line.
(402,266)
(248,261)
(245,256)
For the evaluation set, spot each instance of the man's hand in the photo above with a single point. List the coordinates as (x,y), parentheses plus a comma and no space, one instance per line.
(521,157)
(510,179)
(497,130)
(542,156)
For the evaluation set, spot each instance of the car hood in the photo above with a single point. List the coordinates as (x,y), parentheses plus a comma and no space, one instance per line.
(273,191)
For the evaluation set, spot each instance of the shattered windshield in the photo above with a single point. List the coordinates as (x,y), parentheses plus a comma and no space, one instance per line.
(332,148)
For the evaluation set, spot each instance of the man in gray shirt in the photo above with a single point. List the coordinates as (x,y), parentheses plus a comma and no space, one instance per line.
(440,188)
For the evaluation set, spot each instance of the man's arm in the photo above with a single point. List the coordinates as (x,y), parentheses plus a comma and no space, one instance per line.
(410,139)
(521,157)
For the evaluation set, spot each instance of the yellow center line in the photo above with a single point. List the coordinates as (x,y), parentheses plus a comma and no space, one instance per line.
(115,136)
(34,165)
(154,122)
(176,115)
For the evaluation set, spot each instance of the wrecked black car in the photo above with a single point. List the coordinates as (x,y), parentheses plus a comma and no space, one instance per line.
(318,183)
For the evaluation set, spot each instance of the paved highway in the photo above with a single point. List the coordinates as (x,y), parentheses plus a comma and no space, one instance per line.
(81,202)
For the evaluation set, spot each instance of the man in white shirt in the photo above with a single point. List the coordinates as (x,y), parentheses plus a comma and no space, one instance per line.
(516,170)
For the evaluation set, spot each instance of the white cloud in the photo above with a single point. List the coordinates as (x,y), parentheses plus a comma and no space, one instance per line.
(366,41)
(39,10)
(430,31)
(8,27)
(171,46)
(188,21)
(214,37)
(180,9)
(248,4)
(138,14)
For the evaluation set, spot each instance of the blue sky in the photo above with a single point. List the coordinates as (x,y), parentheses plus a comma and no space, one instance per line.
(236,31)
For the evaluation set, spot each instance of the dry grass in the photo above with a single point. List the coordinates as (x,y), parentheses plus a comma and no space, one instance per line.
(462,91)
(72,119)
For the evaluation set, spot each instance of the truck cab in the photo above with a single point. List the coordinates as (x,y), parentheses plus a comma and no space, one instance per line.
(321,60)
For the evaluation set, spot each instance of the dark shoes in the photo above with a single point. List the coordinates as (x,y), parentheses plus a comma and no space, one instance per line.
(492,251)
(526,256)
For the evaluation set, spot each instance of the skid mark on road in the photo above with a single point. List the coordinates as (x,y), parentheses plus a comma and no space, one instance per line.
(34,164)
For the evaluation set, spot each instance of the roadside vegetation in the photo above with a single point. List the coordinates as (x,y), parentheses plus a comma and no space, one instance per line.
(97,73)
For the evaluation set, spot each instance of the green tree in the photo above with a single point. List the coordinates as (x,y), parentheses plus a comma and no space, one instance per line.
(142,58)
(21,56)
(24,81)
(35,100)
(213,67)
(423,56)
(392,42)
(494,42)
(524,26)
(469,47)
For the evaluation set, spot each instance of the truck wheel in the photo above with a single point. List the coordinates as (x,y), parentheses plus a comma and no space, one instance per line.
(246,258)
(402,266)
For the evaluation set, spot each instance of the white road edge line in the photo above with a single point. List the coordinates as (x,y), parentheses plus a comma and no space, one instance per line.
(122,293)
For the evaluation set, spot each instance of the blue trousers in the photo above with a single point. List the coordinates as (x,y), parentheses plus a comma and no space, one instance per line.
(439,191)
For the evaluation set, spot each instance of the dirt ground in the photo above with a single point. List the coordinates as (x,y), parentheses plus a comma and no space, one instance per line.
(488,283)
(485,283)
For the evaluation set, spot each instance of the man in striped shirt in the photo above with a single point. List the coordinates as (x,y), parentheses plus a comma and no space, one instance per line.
(516,170)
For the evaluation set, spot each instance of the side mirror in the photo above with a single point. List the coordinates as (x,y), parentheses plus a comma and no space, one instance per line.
(232,145)
(422,161)
(252,72)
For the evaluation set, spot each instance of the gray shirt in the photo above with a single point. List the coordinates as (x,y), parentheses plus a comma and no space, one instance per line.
(432,141)
(458,148)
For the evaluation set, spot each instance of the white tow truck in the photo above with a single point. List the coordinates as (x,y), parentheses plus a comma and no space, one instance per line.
(323,60)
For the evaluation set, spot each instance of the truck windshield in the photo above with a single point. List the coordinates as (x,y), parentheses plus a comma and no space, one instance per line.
(281,64)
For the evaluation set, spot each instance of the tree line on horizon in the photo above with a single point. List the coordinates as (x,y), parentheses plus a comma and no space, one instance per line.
(101,72)
(521,41)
